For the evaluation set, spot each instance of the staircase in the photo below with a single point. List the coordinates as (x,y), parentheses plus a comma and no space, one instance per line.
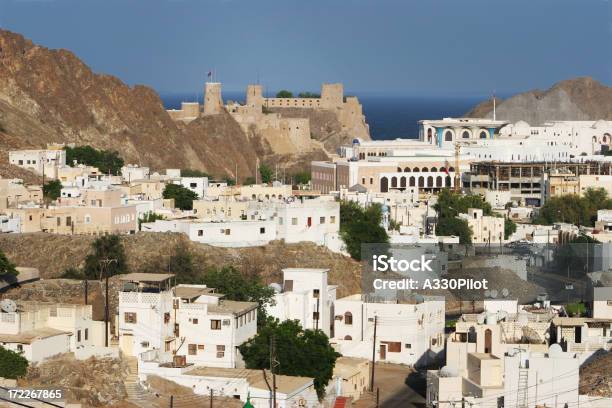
(523,385)
(135,393)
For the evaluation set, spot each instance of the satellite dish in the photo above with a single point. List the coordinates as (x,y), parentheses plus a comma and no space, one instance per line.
(487,293)
(8,306)
(555,350)
(505,292)
(447,371)
(494,293)
(276,287)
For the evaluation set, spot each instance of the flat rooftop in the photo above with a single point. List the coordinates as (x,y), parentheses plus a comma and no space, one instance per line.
(145,277)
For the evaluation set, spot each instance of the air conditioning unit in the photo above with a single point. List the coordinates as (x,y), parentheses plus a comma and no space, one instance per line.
(227,322)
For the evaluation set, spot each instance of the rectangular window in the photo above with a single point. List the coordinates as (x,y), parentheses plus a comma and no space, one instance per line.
(280,220)
(262,230)
(194,321)
(315,315)
(315,293)
(78,336)
(294,221)
(227,231)
(166,318)
(215,325)
(332,219)
(321,220)
(193,349)
(200,233)
(288,285)
(220,351)
(200,347)
(129,317)
(86,334)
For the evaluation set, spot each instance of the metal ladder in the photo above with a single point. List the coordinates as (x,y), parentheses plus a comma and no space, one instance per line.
(523,382)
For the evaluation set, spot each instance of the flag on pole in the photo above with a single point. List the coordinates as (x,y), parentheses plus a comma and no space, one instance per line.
(209,74)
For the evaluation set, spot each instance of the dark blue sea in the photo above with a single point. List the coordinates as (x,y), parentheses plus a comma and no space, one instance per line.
(389,117)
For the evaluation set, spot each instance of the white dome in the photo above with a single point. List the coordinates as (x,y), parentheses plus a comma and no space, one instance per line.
(521,123)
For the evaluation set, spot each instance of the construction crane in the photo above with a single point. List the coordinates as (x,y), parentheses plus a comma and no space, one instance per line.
(457,171)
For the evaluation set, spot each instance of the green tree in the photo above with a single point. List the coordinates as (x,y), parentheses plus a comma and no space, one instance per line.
(12,365)
(361,226)
(52,189)
(308,95)
(302,177)
(236,286)
(183,197)
(456,227)
(182,264)
(7,268)
(300,352)
(105,248)
(574,209)
(266,173)
(284,94)
(106,161)
(73,273)
(229,180)
(509,228)
(194,173)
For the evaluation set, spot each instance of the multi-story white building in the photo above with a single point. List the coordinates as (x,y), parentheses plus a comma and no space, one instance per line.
(305,296)
(196,184)
(185,320)
(132,172)
(41,330)
(406,333)
(41,161)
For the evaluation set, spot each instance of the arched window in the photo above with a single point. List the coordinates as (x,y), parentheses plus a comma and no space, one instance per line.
(384,185)
(430,181)
(421,181)
(433,169)
(448,136)
(465,134)
(439,181)
(403,182)
(411,182)
(483,134)
(407,170)
(594,139)
(424,169)
(348,318)
(399,169)
(429,134)
(448,181)
(451,169)
(442,169)
(416,169)
(347,337)
(393,182)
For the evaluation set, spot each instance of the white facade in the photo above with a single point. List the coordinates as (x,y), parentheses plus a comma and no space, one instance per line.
(411,334)
(602,302)
(40,161)
(545,379)
(196,184)
(309,220)
(134,172)
(186,320)
(485,229)
(305,296)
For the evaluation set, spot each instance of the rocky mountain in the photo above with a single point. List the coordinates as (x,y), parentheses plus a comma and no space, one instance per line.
(574,99)
(51,96)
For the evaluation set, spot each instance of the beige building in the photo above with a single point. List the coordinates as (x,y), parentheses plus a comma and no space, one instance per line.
(485,229)
(13,193)
(353,376)
(69,175)
(41,161)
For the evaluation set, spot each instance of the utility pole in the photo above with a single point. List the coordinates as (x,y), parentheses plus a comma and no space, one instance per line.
(211,398)
(377,397)
(273,364)
(373,355)
(85,284)
(171,401)
(104,263)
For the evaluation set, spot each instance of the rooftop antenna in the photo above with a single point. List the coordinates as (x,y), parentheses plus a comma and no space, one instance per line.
(494,110)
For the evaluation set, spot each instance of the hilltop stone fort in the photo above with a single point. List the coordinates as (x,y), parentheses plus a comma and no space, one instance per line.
(285,123)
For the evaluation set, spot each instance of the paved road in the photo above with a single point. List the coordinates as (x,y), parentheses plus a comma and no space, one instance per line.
(391,380)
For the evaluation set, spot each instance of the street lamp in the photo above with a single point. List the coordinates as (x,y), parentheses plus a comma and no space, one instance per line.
(104,263)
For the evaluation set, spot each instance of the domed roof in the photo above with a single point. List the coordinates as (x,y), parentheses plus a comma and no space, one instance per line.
(521,123)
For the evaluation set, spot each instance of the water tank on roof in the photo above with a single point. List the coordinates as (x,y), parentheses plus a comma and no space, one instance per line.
(276,287)
(447,371)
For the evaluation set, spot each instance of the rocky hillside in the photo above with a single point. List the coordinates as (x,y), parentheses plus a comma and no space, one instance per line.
(51,96)
(149,252)
(574,99)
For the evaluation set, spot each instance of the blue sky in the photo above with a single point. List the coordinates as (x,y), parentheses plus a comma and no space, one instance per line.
(404,47)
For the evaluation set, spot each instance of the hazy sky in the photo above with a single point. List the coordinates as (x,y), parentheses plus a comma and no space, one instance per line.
(412,47)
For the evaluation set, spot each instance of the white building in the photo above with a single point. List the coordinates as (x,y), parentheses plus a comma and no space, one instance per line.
(41,161)
(406,333)
(196,184)
(316,220)
(544,379)
(602,302)
(41,330)
(305,296)
(133,172)
(485,229)
(186,320)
